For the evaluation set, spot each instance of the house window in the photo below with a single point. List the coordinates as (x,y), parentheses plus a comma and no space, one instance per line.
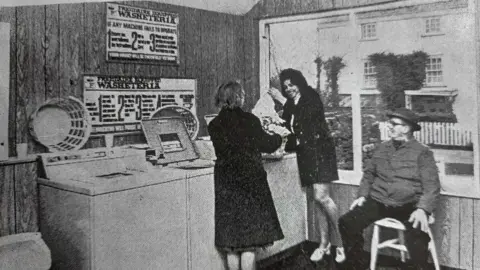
(432,25)
(357,118)
(434,72)
(369,75)
(369,31)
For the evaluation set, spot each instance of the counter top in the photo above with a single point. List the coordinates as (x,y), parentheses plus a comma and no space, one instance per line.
(151,175)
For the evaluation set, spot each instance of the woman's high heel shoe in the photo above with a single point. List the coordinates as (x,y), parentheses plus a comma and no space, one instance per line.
(319,253)
(340,256)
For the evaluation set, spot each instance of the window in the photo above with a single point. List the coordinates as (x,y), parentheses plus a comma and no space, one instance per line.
(369,75)
(369,31)
(432,25)
(356,109)
(434,71)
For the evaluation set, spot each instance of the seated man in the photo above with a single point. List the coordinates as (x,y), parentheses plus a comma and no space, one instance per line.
(401,181)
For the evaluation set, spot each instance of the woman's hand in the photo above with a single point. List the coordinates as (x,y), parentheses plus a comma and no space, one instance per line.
(358,202)
(282,131)
(276,95)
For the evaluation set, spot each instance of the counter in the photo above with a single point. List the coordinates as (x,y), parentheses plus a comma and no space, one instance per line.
(162,218)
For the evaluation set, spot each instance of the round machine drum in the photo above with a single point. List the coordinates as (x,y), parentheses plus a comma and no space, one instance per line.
(61,124)
(190,119)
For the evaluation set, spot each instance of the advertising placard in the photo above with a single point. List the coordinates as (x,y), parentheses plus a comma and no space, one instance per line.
(141,35)
(119,103)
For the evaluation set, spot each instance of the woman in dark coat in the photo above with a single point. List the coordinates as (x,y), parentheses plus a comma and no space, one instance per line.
(245,215)
(315,148)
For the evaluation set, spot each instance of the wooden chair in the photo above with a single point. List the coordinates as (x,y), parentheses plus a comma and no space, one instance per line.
(397,243)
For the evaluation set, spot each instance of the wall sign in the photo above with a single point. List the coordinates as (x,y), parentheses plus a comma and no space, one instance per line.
(119,103)
(141,35)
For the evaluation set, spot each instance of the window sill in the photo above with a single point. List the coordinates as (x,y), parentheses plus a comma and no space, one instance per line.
(368,39)
(433,34)
(450,184)
(369,91)
(432,91)
(434,86)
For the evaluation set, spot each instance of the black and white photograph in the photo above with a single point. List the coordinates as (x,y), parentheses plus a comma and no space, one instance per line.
(240,135)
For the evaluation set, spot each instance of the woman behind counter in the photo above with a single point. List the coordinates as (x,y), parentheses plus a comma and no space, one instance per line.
(316,158)
(245,215)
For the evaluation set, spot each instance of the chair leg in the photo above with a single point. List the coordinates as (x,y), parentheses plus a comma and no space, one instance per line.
(433,251)
(374,247)
(401,239)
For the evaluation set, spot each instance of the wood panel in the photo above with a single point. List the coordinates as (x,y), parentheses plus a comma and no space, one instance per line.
(283,7)
(37,24)
(30,69)
(447,229)
(221,60)
(235,43)
(304,6)
(95,54)
(182,25)
(192,36)
(72,49)
(465,251)
(26,198)
(476,234)
(25,67)
(52,52)
(208,76)
(251,54)
(192,56)
(7,197)
(18,198)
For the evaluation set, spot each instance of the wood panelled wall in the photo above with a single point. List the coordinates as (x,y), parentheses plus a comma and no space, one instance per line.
(18,197)
(52,47)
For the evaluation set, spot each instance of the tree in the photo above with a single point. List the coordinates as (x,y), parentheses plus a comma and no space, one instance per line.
(333,66)
(319,62)
(397,73)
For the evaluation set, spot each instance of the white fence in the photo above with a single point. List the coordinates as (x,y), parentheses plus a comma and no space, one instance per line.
(448,134)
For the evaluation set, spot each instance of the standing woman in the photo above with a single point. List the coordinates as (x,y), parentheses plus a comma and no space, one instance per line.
(316,158)
(245,215)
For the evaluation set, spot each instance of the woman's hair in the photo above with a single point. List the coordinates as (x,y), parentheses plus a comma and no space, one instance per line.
(229,95)
(296,78)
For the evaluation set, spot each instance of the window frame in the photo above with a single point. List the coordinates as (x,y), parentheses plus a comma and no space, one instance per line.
(372,76)
(353,177)
(365,31)
(441,70)
(425,22)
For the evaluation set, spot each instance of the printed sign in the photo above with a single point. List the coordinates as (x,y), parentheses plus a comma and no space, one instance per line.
(119,103)
(138,34)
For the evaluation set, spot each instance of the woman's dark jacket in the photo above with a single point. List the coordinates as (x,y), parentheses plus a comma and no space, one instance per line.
(245,215)
(311,139)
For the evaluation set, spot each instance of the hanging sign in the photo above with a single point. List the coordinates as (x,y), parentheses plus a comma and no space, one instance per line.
(119,103)
(141,35)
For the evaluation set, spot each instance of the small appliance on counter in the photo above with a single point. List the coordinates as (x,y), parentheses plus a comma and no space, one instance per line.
(168,140)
